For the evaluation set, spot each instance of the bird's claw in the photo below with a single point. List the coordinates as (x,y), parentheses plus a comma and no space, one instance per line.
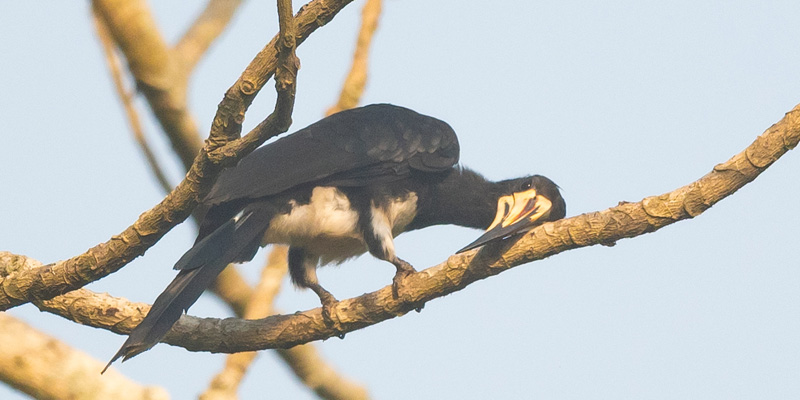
(326,314)
(328,303)
(397,285)
(330,321)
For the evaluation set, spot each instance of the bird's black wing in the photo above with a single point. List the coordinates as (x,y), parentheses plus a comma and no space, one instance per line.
(357,147)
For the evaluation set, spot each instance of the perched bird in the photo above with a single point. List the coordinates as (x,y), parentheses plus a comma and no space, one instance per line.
(343,186)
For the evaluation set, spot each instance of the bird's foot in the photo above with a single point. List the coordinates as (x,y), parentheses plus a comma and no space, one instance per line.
(328,314)
(397,283)
(404,269)
(404,296)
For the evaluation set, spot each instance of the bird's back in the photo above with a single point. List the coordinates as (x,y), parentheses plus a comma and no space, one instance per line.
(357,147)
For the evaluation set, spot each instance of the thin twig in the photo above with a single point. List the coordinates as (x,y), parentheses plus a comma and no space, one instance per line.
(356,80)
(127,102)
(157,72)
(230,115)
(159,75)
(205,29)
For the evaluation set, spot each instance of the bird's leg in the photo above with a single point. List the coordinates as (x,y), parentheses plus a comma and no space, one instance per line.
(303,271)
(380,243)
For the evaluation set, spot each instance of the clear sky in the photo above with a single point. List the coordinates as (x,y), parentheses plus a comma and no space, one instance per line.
(613,100)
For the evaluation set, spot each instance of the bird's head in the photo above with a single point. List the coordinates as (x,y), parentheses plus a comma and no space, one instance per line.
(523,204)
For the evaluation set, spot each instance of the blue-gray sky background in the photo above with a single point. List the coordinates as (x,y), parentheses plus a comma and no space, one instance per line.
(613,100)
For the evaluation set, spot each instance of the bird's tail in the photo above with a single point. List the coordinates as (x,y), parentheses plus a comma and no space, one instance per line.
(235,240)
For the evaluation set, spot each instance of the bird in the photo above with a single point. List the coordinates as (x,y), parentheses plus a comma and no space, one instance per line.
(343,186)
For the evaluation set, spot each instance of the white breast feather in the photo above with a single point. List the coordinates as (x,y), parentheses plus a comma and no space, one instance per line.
(327,226)
(327,214)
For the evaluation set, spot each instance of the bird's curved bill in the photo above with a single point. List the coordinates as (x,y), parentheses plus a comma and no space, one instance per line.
(516,213)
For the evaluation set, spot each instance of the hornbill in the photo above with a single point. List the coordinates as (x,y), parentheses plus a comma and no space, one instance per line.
(343,186)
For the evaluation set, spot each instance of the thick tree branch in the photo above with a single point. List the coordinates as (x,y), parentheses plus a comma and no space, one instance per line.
(45,368)
(604,227)
(120,315)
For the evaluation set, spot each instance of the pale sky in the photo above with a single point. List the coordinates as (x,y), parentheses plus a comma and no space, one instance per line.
(613,100)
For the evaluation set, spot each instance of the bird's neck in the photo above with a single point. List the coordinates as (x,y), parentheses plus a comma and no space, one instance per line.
(460,197)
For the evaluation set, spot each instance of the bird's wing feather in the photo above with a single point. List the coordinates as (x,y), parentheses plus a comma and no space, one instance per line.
(356,147)
(232,241)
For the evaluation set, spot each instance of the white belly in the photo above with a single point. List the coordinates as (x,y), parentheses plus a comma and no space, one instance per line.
(328,227)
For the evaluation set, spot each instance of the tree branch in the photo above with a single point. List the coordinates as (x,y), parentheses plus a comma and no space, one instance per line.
(225,384)
(604,227)
(304,360)
(46,368)
(205,29)
(127,102)
(307,364)
(230,113)
(120,315)
(157,73)
(356,80)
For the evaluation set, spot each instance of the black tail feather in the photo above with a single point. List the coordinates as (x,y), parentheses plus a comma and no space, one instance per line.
(235,240)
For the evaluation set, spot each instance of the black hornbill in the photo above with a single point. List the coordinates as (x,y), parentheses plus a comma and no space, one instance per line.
(342,186)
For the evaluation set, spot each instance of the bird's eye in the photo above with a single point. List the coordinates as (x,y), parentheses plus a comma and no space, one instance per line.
(526,185)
